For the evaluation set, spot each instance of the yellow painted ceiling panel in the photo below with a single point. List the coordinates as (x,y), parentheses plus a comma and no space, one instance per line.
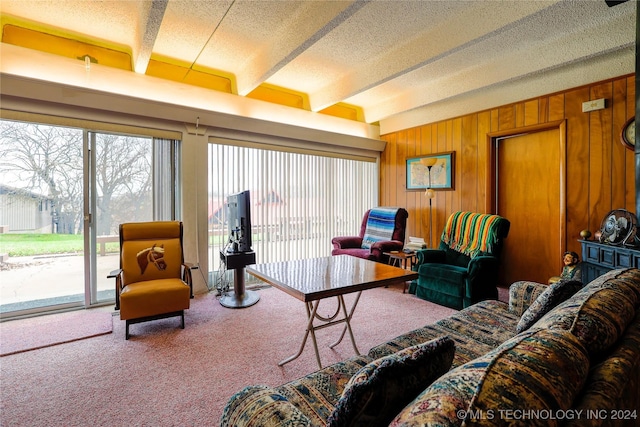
(166,71)
(280,96)
(182,74)
(57,45)
(208,80)
(345,111)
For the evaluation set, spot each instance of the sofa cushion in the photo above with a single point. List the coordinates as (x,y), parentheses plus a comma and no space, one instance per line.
(522,294)
(535,370)
(261,406)
(476,330)
(551,297)
(599,313)
(613,385)
(316,394)
(377,392)
(151,297)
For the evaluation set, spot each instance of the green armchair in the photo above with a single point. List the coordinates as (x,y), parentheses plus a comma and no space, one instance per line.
(464,268)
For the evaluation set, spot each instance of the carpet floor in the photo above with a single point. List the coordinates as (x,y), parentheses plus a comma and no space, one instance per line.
(44,331)
(166,376)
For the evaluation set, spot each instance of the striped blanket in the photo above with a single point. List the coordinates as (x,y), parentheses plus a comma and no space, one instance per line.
(471,233)
(380,226)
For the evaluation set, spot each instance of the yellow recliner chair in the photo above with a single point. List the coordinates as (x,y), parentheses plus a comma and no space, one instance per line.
(153,281)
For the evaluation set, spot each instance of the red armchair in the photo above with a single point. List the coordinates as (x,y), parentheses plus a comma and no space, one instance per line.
(371,243)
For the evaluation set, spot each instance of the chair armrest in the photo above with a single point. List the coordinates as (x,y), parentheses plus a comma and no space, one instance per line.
(347,242)
(430,255)
(387,246)
(117,274)
(522,294)
(114,273)
(482,279)
(186,276)
(478,265)
(260,406)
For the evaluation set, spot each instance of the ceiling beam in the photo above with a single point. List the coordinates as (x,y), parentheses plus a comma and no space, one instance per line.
(255,74)
(437,86)
(426,47)
(149,35)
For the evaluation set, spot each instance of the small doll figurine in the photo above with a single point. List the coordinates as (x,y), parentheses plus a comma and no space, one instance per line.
(571,269)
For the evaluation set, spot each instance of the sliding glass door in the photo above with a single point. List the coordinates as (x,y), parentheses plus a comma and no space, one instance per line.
(63,194)
(120,188)
(41,216)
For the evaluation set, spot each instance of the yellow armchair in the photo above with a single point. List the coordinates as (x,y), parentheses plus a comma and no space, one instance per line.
(153,281)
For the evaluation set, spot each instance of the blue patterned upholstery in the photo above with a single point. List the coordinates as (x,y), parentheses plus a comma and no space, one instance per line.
(377,392)
(599,313)
(262,406)
(380,225)
(582,354)
(522,294)
(552,296)
(535,370)
(475,330)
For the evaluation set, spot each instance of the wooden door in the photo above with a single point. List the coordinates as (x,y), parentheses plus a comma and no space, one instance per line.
(530,194)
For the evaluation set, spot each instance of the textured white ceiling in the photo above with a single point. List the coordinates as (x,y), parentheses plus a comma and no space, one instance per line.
(392,58)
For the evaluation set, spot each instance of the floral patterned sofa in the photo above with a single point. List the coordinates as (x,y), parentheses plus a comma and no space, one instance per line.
(554,355)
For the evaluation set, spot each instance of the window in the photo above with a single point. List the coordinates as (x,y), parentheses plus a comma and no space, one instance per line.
(63,193)
(299,202)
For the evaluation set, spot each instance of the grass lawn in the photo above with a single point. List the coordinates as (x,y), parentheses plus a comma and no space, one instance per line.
(42,244)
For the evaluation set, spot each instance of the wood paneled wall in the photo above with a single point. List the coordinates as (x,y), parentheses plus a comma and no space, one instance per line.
(600,170)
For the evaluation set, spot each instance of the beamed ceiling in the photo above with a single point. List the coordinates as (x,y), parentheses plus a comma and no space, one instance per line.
(398,63)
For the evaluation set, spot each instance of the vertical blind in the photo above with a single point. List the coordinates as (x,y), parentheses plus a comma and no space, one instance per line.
(166,185)
(298,201)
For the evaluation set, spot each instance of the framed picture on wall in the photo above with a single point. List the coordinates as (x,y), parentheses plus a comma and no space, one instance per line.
(431,171)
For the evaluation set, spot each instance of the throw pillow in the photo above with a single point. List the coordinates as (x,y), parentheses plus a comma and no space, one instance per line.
(546,301)
(538,371)
(379,390)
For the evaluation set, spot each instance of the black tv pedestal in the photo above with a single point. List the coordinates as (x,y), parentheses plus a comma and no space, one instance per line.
(241,298)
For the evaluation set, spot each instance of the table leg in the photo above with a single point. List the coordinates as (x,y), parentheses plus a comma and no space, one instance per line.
(312,329)
(311,314)
(347,321)
(393,261)
(312,309)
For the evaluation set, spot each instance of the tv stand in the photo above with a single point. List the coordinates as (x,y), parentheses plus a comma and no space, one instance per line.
(241,297)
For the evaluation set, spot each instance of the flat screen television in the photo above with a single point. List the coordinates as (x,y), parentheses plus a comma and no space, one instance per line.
(239,220)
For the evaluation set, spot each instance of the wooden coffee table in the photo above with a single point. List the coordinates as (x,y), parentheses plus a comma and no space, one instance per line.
(312,280)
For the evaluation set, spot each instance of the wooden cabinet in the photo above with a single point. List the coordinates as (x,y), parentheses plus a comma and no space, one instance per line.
(598,258)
